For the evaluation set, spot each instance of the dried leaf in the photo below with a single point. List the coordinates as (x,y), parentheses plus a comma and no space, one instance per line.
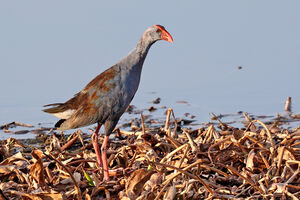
(250,160)
(39,196)
(170,195)
(13,158)
(6,169)
(54,144)
(257,162)
(77,177)
(136,181)
(153,182)
(37,169)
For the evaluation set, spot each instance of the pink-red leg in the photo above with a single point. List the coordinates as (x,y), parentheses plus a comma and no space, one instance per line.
(96,146)
(104,157)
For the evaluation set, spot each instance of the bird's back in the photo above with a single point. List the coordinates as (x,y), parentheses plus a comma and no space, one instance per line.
(106,97)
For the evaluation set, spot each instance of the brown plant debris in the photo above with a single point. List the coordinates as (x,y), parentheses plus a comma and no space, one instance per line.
(160,161)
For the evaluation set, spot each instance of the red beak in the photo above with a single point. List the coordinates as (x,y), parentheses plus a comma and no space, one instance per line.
(165,35)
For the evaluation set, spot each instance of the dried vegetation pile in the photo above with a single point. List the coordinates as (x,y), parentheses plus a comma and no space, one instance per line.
(171,162)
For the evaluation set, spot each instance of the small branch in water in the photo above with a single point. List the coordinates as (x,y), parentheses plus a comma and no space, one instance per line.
(14,124)
(288,105)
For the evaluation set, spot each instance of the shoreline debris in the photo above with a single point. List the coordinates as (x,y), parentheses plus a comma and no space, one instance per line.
(165,160)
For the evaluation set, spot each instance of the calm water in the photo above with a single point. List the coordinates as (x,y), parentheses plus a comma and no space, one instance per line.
(49,52)
(32,114)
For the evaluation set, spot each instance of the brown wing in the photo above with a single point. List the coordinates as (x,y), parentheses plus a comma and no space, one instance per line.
(85,99)
(71,104)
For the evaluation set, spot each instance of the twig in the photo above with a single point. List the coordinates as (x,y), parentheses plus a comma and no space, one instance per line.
(167,124)
(69,143)
(267,130)
(107,194)
(214,145)
(176,124)
(173,152)
(186,173)
(288,104)
(247,117)
(280,153)
(232,169)
(184,156)
(68,171)
(288,137)
(81,161)
(2,196)
(292,195)
(217,118)
(143,125)
(198,162)
(191,141)
(79,133)
(7,126)
(173,141)
(208,134)
(291,179)
(16,132)
(133,159)
(256,142)
(168,119)
(264,159)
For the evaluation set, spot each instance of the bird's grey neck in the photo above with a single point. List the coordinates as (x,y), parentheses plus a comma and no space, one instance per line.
(143,47)
(138,55)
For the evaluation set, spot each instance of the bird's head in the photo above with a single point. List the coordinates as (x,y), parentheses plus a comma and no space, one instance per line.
(157,32)
(162,33)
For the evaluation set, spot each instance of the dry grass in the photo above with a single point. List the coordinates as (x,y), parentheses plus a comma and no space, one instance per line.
(214,162)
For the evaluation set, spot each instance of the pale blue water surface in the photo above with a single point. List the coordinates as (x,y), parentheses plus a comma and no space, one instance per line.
(49,50)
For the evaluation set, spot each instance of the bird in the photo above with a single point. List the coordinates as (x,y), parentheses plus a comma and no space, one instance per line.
(104,99)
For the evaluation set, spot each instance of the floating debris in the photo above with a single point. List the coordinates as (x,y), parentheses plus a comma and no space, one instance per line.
(156,101)
(183,102)
(14,124)
(288,105)
(152,108)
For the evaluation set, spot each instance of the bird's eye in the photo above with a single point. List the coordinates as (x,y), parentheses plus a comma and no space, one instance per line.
(158,30)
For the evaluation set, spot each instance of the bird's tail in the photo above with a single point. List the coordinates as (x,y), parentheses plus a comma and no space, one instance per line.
(56,108)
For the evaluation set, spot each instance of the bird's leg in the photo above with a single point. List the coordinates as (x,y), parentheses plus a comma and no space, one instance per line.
(96,146)
(104,157)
